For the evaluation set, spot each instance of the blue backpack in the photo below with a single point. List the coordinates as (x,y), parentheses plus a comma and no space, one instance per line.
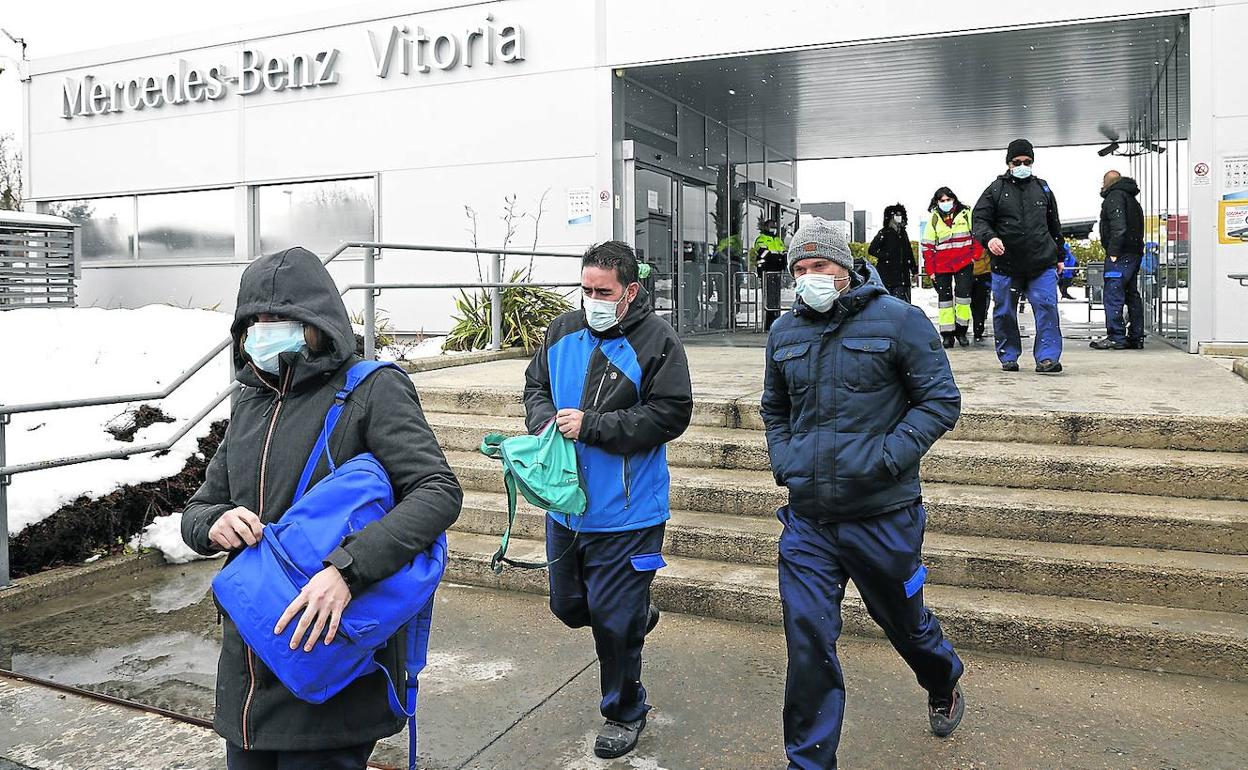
(258,584)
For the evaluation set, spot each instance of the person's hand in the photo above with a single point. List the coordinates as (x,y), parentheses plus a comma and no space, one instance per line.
(569,422)
(1113,259)
(237,528)
(322,600)
(996,247)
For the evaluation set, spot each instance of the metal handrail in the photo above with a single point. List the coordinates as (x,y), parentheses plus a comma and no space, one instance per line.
(1241,277)
(495,286)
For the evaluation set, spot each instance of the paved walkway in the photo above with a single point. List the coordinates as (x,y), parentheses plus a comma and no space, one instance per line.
(508,688)
(1156,380)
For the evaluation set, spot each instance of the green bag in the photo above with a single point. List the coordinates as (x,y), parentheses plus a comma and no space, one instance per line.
(544,469)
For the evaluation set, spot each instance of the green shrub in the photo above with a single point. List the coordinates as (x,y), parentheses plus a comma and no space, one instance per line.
(527,311)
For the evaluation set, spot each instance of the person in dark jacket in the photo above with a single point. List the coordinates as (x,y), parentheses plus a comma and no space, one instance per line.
(768,255)
(1122,235)
(614,378)
(1016,219)
(293,345)
(857,388)
(894,254)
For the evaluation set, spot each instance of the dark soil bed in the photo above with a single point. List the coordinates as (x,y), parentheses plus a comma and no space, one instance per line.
(104,525)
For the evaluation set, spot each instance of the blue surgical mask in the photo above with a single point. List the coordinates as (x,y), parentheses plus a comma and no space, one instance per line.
(602,314)
(266,341)
(945,206)
(818,291)
(1021,172)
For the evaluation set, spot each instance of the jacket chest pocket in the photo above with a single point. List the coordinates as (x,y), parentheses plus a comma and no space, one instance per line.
(796,363)
(865,362)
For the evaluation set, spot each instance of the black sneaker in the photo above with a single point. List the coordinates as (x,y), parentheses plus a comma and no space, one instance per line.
(653,619)
(616,739)
(1009,366)
(945,714)
(1049,367)
(1106,343)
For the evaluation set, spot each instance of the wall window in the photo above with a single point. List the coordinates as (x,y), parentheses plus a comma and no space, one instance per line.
(187,225)
(107,225)
(315,215)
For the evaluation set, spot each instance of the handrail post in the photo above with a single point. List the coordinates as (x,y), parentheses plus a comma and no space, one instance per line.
(370,307)
(496,303)
(4,510)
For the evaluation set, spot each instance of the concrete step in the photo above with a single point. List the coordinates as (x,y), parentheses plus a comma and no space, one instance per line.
(1165,472)
(1197,581)
(1143,521)
(1064,428)
(1134,636)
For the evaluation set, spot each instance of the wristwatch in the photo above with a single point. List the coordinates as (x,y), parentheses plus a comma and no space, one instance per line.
(341,559)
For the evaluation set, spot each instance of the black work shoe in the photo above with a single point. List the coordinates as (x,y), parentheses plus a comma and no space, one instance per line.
(962,340)
(1049,367)
(945,714)
(947,340)
(616,739)
(1135,345)
(1009,366)
(653,619)
(1107,344)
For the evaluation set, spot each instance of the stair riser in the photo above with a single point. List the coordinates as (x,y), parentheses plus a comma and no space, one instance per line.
(992,632)
(1114,583)
(1192,480)
(1181,432)
(1058,526)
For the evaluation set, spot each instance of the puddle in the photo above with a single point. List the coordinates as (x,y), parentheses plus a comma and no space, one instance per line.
(178,592)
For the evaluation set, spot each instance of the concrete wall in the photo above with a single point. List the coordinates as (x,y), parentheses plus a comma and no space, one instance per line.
(436,142)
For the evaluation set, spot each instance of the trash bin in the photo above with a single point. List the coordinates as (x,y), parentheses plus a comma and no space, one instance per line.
(1096,283)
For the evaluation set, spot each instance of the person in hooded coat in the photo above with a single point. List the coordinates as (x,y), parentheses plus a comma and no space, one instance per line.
(1122,235)
(293,346)
(894,254)
(856,390)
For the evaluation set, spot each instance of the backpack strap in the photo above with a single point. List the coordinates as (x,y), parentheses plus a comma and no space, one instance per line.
(415,656)
(355,375)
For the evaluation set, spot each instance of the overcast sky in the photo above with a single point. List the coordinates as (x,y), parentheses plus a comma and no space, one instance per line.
(51,29)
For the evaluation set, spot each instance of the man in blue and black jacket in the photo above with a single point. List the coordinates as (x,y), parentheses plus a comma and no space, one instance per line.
(857,389)
(614,377)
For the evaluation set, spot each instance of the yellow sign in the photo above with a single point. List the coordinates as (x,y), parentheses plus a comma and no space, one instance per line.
(1233,222)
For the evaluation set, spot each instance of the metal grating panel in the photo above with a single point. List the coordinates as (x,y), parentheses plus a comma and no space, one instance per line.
(1062,85)
(37,267)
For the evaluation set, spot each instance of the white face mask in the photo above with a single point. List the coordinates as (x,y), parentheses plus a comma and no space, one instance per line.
(1021,172)
(818,290)
(946,206)
(267,341)
(603,314)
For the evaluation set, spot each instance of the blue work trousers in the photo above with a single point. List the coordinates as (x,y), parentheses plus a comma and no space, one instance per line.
(1122,289)
(603,581)
(1041,292)
(882,555)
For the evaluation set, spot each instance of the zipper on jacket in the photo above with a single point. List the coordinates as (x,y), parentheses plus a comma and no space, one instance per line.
(264,458)
(628,481)
(602,380)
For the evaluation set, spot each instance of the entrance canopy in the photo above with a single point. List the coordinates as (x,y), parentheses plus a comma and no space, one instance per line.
(1059,85)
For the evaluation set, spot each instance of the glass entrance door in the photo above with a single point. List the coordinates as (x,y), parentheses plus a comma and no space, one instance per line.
(654,231)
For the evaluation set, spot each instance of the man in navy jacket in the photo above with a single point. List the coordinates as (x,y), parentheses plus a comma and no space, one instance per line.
(857,389)
(615,379)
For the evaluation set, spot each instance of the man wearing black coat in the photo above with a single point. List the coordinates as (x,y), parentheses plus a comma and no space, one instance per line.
(894,254)
(1122,235)
(1016,220)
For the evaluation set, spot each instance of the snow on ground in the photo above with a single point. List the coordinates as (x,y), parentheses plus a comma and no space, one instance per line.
(64,354)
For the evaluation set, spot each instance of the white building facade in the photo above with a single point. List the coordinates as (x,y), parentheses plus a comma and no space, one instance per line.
(571,122)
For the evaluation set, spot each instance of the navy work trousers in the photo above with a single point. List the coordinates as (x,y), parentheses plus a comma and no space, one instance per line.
(882,555)
(1042,293)
(603,582)
(1122,289)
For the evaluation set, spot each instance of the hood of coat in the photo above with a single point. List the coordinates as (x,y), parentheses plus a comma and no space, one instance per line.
(1125,184)
(295,285)
(896,208)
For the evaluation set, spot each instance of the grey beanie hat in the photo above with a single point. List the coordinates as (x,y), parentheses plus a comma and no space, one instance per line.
(820,239)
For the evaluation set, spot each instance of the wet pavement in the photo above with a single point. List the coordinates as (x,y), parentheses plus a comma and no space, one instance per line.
(508,687)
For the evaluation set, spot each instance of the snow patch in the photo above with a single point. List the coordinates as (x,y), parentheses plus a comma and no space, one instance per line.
(70,353)
(165,535)
(581,757)
(451,670)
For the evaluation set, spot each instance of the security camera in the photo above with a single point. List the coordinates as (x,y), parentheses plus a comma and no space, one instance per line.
(1108,149)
